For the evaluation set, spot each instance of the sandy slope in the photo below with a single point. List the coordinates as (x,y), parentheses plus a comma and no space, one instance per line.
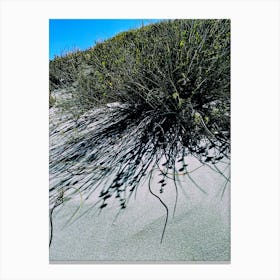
(199,231)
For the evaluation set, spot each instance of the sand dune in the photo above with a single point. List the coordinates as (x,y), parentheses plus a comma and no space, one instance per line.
(199,231)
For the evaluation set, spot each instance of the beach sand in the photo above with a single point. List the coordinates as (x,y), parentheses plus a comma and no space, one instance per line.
(198,232)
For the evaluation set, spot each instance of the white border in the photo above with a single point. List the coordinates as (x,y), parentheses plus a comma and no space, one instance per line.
(24,137)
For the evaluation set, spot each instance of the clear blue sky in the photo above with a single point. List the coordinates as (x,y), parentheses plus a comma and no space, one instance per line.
(68,34)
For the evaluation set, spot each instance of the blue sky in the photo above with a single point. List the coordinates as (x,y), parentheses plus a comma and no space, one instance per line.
(68,34)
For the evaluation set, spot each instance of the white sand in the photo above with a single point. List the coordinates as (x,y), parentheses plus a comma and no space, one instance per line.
(200,230)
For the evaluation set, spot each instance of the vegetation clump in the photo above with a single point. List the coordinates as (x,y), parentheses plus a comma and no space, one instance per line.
(159,94)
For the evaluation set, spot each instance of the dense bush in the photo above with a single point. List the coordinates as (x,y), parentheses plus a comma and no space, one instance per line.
(170,83)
